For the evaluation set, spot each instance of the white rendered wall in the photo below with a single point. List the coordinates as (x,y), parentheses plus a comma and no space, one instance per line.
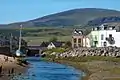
(51,45)
(92,36)
(86,42)
(106,33)
(117,39)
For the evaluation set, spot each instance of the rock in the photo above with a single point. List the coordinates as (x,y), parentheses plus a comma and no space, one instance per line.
(78,52)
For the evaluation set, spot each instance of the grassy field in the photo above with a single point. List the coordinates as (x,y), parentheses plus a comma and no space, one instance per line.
(39,40)
(36,35)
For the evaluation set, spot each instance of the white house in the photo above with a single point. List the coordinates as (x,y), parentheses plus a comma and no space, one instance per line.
(104,36)
(79,40)
(51,46)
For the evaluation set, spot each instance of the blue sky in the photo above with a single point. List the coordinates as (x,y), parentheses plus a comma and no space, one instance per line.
(23,10)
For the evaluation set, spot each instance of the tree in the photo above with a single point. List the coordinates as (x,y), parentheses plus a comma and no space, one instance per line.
(53,39)
(68,44)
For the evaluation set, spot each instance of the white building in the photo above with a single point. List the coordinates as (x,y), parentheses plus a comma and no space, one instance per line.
(105,36)
(51,46)
(79,40)
(86,42)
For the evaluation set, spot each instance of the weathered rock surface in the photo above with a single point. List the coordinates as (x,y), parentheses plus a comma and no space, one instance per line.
(78,52)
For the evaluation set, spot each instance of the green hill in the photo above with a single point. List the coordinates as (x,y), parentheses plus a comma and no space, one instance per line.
(75,17)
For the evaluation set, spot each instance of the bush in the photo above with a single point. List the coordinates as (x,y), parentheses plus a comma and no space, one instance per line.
(53,39)
(57,50)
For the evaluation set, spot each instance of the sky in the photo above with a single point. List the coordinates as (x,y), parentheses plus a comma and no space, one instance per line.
(22,10)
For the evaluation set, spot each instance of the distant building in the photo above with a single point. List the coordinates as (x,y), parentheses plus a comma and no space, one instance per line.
(79,40)
(51,45)
(104,36)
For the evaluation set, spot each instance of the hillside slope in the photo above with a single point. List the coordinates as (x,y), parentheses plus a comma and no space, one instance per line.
(71,18)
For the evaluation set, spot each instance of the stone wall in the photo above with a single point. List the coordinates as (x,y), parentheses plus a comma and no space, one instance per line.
(78,52)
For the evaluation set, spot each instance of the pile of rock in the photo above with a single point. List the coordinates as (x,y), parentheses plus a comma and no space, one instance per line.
(78,52)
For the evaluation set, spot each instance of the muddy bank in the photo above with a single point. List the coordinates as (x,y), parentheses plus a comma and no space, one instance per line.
(94,69)
(10,66)
(11,69)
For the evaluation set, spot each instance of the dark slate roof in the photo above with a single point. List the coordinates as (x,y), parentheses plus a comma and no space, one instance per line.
(57,44)
(77,32)
(34,47)
(44,44)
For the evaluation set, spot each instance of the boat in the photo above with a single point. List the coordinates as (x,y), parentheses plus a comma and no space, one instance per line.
(19,53)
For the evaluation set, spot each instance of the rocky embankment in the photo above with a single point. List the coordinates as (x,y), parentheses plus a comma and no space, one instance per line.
(78,52)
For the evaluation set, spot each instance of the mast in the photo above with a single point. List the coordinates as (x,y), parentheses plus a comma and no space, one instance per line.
(11,42)
(20,38)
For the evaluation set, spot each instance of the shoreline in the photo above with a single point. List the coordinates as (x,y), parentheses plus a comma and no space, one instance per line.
(10,66)
(94,70)
(73,64)
(7,70)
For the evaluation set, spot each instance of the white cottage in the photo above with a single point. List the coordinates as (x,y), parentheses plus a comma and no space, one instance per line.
(51,46)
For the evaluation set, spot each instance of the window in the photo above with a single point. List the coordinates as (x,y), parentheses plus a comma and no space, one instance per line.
(105,44)
(105,28)
(79,45)
(79,40)
(95,37)
(95,43)
(110,35)
(75,40)
(102,37)
(98,28)
(113,27)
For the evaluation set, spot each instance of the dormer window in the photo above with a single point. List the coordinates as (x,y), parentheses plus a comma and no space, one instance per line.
(77,31)
(113,27)
(98,28)
(105,28)
(80,32)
